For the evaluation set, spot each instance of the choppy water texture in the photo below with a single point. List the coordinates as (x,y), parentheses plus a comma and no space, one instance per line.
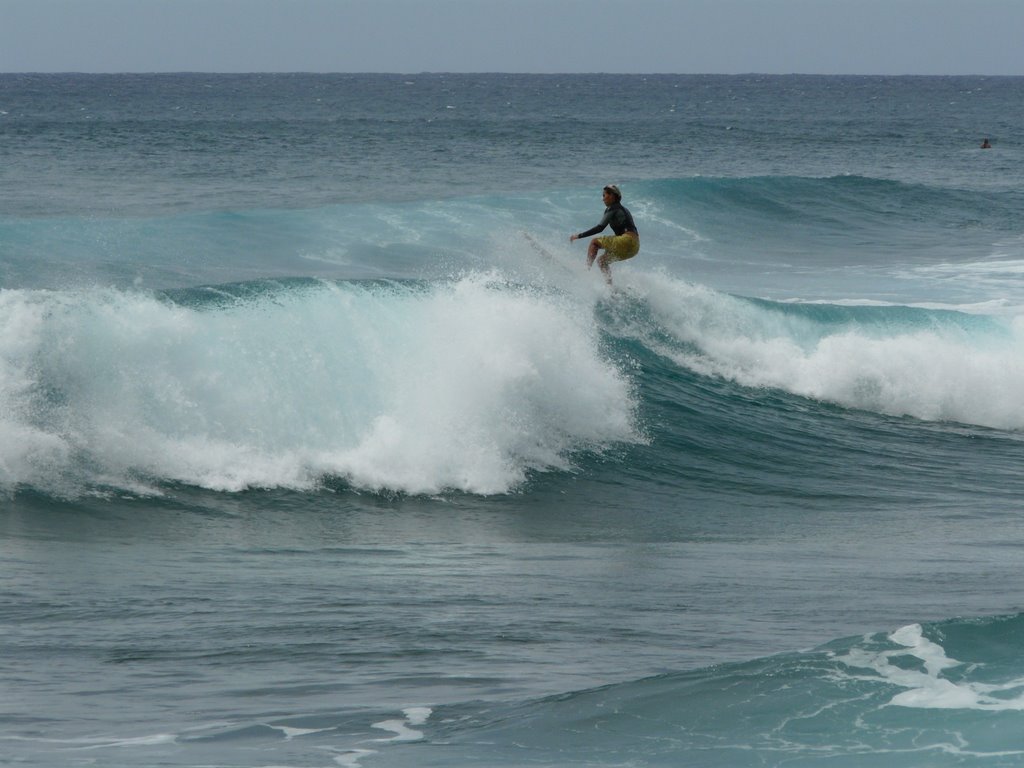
(309,458)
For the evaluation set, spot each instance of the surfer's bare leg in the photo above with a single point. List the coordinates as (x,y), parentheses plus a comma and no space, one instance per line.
(592,253)
(605,267)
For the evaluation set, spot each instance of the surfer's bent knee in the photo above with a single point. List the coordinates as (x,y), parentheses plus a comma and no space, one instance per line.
(619,247)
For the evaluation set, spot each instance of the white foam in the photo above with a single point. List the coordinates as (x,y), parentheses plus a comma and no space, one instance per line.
(351,758)
(401,728)
(292,733)
(942,373)
(930,687)
(933,655)
(417,715)
(466,385)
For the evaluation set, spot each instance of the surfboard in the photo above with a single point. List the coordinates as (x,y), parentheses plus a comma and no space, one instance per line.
(548,255)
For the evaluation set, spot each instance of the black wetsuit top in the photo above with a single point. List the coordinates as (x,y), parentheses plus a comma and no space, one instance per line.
(620,219)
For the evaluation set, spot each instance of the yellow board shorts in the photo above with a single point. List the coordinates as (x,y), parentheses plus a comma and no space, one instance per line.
(619,247)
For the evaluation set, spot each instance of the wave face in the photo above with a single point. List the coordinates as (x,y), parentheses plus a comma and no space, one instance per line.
(474,384)
(935,365)
(943,694)
(921,695)
(429,347)
(833,238)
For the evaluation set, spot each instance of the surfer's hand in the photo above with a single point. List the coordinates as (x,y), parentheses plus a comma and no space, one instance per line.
(572,238)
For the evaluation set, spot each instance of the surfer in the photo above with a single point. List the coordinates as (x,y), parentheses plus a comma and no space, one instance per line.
(624,244)
(986,145)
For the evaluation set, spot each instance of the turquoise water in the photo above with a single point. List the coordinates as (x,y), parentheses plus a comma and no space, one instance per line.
(309,458)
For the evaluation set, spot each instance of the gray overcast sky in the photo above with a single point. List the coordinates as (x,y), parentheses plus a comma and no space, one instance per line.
(677,36)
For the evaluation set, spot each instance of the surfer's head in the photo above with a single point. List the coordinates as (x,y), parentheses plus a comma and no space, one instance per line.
(613,190)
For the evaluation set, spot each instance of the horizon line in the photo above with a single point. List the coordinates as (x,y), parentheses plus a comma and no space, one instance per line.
(492,72)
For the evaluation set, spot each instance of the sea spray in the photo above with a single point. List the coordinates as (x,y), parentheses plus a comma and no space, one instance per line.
(467,385)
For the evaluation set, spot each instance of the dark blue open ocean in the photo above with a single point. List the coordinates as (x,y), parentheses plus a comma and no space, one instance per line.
(309,458)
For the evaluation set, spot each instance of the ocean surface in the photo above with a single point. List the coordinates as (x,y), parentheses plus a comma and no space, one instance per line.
(310,457)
